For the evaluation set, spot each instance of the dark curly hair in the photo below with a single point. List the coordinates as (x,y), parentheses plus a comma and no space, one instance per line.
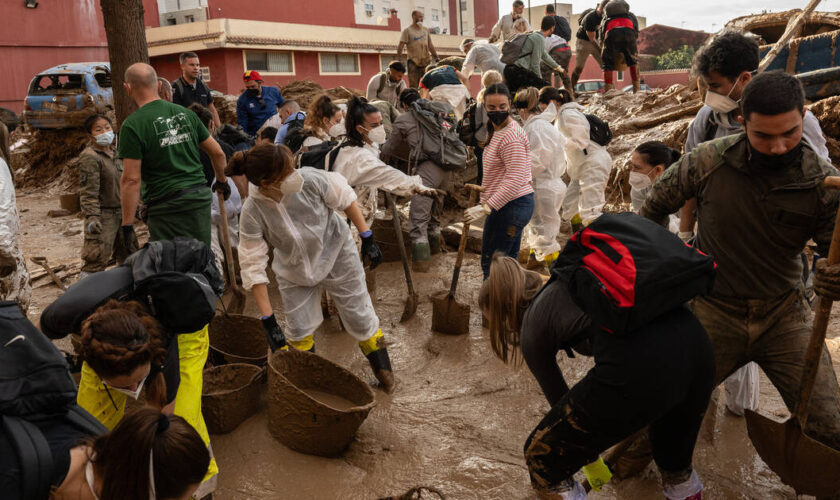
(729,54)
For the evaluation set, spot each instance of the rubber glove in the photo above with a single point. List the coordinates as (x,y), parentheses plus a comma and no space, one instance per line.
(222,187)
(597,473)
(550,258)
(94,225)
(686,236)
(370,249)
(827,280)
(476,213)
(276,339)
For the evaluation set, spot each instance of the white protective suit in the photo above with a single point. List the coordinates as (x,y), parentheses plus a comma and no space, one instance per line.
(456,96)
(587,163)
(233,206)
(547,168)
(313,249)
(364,171)
(14,278)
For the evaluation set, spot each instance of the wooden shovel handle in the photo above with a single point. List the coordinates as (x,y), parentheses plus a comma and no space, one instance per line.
(462,245)
(815,344)
(226,240)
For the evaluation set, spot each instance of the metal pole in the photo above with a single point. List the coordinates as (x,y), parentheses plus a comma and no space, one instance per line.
(529,12)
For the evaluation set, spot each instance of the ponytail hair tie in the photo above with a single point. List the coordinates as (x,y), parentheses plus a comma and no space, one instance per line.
(163,423)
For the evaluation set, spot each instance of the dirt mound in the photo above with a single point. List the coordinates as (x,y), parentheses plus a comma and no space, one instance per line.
(226,106)
(48,157)
(305,91)
(660,115)
(827,112)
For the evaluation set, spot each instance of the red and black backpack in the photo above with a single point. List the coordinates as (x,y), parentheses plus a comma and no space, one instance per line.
(624,270)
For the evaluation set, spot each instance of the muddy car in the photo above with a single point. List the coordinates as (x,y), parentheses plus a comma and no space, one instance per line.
(65,95)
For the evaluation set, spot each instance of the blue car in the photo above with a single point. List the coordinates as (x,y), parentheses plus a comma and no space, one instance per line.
(65,95)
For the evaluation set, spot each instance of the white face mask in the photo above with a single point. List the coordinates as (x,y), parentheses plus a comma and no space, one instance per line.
(639,181)
(337,130)
(105,138)
(292,184)
(132,394)
(377,135)
(722,104)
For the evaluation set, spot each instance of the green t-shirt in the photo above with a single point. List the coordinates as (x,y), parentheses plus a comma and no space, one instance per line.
(165,137)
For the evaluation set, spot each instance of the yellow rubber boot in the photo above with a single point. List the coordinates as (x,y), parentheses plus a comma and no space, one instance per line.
(305,344)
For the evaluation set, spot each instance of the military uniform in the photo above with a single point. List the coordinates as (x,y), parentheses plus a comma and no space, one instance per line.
(755,223)
(99,177)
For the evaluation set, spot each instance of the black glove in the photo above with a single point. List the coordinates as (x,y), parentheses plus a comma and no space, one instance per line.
(222,187)
(129,238)
(827,280)
(276,339)
(371,250)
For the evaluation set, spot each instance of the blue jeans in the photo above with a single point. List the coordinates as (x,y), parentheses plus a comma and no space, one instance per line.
(503,230)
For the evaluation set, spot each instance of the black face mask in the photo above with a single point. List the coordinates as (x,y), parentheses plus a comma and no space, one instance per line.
(498,117)
(252,92)
(763,161)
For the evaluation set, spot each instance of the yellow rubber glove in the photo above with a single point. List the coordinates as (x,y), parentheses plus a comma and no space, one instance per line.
(550,258)
(597,473)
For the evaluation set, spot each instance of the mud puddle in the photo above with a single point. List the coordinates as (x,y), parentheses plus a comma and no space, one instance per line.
(329,399)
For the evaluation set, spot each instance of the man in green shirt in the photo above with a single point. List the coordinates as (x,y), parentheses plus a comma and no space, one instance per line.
(159,146)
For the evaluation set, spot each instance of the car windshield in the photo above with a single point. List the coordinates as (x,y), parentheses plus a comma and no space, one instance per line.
(57,84)
(589,86)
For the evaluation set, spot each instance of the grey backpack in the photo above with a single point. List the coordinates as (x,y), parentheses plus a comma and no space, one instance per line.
(616,8)
(512,49)
(439,141)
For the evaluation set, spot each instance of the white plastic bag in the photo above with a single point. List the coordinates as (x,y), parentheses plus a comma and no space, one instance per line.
(742,389)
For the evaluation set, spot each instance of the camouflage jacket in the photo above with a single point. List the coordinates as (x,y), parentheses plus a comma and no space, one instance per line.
(99,179)
(755,223)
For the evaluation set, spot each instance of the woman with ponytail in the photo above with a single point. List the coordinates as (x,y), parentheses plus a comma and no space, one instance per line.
(296,213)
(650,376)
(547,167)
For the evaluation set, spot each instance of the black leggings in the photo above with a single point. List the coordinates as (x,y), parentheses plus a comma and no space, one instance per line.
(659,375)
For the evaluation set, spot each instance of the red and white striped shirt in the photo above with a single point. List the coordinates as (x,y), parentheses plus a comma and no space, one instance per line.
(507,167)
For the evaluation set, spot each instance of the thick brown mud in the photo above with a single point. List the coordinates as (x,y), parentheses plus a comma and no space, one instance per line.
(449,315)
(231,394)
(329,399)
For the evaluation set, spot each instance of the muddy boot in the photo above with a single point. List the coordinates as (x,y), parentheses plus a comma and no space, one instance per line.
(420,257)
(683,485)
(568,490)
(305,344)
(575,77)
(434,243)
(636,86)
(377,355)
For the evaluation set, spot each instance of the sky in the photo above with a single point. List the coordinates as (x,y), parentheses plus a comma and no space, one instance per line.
(706,15)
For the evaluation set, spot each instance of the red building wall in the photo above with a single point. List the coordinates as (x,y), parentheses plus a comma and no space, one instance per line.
(486,15)
(56,32)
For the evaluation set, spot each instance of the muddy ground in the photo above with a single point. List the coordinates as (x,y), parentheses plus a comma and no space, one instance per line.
(457,420)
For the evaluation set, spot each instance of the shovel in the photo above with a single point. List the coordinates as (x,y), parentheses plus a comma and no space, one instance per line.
(411,299)
(237,302)
(803,463)
(448,315)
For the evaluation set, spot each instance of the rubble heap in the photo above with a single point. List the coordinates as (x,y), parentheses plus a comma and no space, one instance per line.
(305,91)
(49,157)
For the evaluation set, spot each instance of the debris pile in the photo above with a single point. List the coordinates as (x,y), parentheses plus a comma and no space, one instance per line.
(827,112)
(49,157)
(305,91)
(226,107)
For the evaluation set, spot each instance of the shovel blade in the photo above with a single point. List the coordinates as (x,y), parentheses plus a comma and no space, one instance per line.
(410,308)
(801,462)
(448,315)
(237,301)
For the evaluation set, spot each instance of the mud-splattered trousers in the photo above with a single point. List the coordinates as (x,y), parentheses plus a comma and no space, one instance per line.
(774,334)
(503,230)
(99,178)
(659,375)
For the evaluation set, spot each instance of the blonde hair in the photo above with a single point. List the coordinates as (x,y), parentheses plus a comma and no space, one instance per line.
(489,77)
(504,297)
(527,98)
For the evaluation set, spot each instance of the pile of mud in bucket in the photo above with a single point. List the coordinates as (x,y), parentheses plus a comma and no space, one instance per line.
(314,406)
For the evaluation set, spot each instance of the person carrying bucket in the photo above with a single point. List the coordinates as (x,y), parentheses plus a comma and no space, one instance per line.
(508,198)
(295,211)
(648,376)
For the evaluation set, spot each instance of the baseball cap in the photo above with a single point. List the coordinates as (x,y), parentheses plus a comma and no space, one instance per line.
(252,76)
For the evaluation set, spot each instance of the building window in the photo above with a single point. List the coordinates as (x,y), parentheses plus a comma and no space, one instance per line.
(621,75)
(435,15)
(339,63)
(386,8)
(269,62)
(385,60)
(189,19)
(171,22)
(369,9)
(205,73)
(463,5)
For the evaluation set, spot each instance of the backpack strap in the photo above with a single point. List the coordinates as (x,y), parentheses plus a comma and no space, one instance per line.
(382,78)
(711,129)
(84,421)
(179,85)
(34,454)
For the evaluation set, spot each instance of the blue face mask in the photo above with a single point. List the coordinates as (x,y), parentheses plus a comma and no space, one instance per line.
(105,138)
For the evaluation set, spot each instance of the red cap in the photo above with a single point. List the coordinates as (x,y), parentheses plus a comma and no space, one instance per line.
(252,76)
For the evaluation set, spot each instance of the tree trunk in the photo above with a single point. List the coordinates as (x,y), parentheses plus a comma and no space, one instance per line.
(126,45)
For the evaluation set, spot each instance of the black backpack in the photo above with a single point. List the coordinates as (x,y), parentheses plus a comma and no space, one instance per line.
(294,138)
(624,271)
(321,156)
(467,126)
(178,281)
(599,130)
(35,388)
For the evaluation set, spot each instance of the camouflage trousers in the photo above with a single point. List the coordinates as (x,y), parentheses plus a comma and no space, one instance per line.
(98,249)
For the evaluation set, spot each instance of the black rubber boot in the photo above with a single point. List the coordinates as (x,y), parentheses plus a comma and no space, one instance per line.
(381,365)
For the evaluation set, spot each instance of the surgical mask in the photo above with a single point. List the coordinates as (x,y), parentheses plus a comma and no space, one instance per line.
(292,184)
(105,138)
(498,117)
(763,161)
(253,92)
(639,181)
(337,130)
(722,104)
(376,135)
(132,394)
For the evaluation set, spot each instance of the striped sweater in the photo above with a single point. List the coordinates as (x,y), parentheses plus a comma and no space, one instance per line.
(507,167)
